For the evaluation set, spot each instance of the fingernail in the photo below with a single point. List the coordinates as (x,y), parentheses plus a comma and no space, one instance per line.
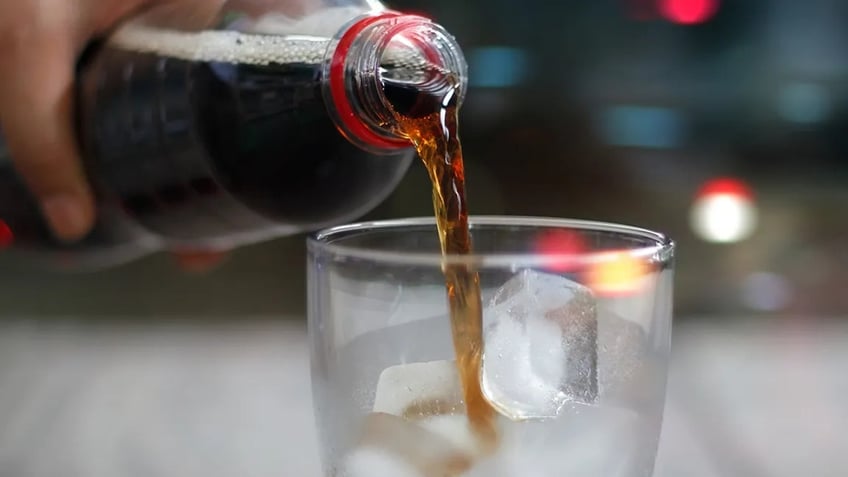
(66,215)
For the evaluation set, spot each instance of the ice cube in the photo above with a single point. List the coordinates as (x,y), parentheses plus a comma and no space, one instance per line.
(430,395)
(583,440)
(456,429)
(540,346)
(375,462)
(628,373)
(416,390)
(395,447)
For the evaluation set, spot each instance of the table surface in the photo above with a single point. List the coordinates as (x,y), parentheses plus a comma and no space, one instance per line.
(223,400)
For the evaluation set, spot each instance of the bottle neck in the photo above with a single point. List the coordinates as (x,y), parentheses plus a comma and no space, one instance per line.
(387,51)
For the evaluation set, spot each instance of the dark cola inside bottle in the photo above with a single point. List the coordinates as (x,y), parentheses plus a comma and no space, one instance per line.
(214,139)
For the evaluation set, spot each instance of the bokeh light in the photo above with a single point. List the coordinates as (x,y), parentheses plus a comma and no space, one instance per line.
(688,12)
(497,66)
(724,211)
(562,249)
(643,127)
(6,235)
(804,103)
(618,273)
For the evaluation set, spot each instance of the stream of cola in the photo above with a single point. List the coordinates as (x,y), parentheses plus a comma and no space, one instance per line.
(430,120)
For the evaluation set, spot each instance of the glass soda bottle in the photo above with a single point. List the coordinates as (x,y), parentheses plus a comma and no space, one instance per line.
(211,125)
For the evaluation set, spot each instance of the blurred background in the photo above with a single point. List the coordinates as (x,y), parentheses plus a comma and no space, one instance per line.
(723,123)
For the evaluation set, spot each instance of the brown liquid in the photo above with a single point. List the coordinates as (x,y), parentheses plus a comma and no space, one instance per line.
(434,132)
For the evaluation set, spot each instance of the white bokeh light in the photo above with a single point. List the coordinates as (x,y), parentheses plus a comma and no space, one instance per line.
(723,218)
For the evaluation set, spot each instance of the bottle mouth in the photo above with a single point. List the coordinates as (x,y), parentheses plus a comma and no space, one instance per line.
(380,65)
(419,70)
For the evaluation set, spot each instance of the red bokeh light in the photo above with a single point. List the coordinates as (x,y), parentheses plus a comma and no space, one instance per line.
(688,12)
(562,247)
(6,235)
(725,186)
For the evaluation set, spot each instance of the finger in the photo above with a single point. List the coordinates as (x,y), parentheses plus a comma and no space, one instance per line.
(36,116)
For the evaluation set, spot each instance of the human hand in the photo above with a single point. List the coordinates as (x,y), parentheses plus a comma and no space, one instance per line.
(40,41)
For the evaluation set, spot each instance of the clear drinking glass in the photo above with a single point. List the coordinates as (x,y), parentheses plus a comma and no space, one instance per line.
(576,336)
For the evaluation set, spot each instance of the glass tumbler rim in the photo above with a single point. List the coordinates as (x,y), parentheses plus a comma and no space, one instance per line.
(328,242)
